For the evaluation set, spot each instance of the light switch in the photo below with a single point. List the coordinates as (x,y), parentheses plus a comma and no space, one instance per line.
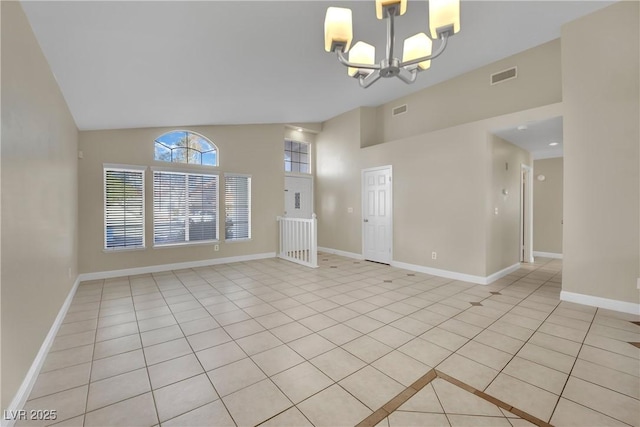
(349,210)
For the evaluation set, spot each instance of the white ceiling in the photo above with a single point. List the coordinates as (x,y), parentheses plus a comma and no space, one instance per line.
(137,64)
(535,137)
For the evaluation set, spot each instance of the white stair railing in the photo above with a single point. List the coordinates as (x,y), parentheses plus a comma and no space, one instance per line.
(299,240)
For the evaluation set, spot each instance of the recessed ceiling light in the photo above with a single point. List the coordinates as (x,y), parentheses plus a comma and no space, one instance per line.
(522,127)
(553,144)
(299,129)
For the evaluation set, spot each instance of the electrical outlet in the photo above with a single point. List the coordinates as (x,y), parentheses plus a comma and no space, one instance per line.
(216,248)
(496,211)
(434,255)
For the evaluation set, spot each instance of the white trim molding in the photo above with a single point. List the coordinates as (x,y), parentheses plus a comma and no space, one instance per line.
(30,378)
(547,255)
(480,280)
(174,266)
(593,301)
(500,274)
(341,253)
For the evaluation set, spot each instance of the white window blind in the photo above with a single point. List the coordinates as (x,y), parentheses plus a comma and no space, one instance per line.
(185,208)
(237,189)
(123,208)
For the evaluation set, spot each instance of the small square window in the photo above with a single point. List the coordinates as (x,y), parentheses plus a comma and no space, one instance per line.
(297,157)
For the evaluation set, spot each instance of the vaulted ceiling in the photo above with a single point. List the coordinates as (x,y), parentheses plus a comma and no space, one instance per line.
(140,64)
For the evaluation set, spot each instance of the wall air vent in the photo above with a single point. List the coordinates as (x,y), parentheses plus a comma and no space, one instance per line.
(399,110)
(503,76)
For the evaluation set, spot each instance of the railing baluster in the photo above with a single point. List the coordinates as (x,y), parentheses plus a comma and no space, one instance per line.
(298,240)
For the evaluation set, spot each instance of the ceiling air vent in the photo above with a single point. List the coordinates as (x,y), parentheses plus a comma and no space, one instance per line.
(503,76)
(399,110)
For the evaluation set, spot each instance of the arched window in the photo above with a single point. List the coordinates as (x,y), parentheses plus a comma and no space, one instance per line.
(186,147)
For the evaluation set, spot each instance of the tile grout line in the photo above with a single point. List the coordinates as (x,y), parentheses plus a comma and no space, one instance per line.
(573,366)
(392,405)
(575,360)
(192,351)
(130,293)
(308,361)
(382,291)
(293,405)
(487,397)
(86,404)
(514,306)
(144,356)
(139,333)
(528,339)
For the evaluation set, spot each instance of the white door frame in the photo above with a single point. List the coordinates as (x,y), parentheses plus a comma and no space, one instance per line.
(307,176)
(526,207)
(363,209)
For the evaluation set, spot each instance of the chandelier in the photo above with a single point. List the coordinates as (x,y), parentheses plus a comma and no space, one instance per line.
(444,21)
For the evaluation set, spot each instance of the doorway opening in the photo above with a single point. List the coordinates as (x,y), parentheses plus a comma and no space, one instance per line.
(526,214)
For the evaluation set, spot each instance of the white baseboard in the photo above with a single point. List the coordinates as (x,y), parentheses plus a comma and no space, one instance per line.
(24,391)
(500,274)
(341,253)
(547,255)
(609,304)
(174,266)
(480,280)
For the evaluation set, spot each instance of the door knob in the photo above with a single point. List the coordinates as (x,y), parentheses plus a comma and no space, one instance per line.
(366,220)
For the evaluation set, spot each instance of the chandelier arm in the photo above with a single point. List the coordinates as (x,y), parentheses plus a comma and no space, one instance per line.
(367,81)
(410,78)
(443,45)
(344,61)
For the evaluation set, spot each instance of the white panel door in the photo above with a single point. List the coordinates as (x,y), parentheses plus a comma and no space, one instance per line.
(298,197)
(377,214)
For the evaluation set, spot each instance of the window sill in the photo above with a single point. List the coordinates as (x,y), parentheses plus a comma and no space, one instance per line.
(118,250)
(180,245)
(238,240)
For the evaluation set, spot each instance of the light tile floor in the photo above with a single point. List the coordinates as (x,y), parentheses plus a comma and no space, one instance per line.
(442,403)
(276,343)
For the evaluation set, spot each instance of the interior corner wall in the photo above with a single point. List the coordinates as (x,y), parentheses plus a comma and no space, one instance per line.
(600,75)
(257,150)
(39,199)
(337,186)
(547,205)
(504,210)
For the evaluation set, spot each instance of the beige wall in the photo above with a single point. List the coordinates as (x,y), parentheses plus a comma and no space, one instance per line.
(302,136)
(252,149)
(601,133)
(438,197)
(547,205)
(39,198)
(442,156)
(337,185)
(503,228)
(470,97)
(443,191)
